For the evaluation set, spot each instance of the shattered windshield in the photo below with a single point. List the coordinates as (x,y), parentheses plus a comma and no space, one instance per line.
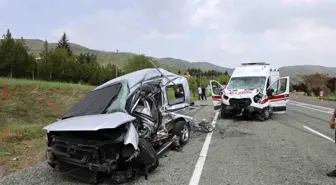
(96,102)
(247,83)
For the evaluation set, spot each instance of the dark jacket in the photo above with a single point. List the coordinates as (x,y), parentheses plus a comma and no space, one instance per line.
(203,90)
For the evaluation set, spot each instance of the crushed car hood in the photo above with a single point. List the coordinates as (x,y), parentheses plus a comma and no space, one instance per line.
(91,122)
(240,93)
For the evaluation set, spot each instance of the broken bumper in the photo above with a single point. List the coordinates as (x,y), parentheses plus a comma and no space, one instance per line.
(236,109)
(89,156)
(56,158)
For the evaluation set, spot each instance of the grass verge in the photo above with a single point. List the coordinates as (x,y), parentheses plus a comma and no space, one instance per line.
(25,108)
(328,98)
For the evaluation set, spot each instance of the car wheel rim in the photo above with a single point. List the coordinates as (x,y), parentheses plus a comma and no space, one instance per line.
(266,113)
(185,133)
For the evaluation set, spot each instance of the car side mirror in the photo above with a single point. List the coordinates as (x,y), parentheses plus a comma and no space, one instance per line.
(269,92)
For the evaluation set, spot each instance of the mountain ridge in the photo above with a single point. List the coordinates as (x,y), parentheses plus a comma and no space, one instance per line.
(121,59)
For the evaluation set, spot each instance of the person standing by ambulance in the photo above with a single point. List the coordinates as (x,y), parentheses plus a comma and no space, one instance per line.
(332,126)
(200,93)
(204,93)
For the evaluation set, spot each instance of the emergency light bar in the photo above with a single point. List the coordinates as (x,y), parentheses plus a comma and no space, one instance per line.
(255,63)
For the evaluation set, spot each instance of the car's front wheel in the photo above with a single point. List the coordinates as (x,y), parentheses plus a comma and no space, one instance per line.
(148,155)
(264,115)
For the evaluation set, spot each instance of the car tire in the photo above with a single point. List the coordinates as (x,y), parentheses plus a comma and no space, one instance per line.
(223,114)
(52,165)
(264,115)
(182,129)
(147,146)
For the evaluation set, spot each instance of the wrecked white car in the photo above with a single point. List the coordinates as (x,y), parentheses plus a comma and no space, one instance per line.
(121,127)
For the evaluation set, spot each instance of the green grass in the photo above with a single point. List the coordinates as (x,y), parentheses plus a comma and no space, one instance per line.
(330,98)
(42,84)
(26,106)
(300,94)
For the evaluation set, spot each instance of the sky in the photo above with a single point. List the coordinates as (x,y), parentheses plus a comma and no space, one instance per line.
(222,32)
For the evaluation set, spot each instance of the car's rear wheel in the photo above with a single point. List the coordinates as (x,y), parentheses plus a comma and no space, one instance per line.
(182,129)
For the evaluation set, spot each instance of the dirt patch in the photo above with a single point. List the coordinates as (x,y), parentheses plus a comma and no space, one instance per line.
(23,155)
(2,171)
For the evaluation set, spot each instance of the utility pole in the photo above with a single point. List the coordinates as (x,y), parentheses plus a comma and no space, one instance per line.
(117,66)
(35,67)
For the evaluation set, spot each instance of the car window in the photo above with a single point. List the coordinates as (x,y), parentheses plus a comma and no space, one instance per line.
(279,86)
(216,88)
(175,94)
(282,86)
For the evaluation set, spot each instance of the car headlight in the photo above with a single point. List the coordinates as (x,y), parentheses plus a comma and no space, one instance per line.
(257,98)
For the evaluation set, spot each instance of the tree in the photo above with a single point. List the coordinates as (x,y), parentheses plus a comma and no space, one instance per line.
(315,82)
(45,49)
(64,43)
(223,79)
(139,62)
(7,54)
(22,65)
(179,72)
(192,81)
(226,73)
(85,58)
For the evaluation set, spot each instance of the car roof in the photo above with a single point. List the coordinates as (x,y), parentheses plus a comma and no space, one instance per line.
(135,78)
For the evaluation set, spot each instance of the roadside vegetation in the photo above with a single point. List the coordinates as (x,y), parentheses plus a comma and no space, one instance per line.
(25,108)
(312,84)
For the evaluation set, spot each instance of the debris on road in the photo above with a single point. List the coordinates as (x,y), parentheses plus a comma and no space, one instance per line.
(203,126)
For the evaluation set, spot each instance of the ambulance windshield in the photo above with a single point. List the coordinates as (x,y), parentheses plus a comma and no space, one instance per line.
(247,83)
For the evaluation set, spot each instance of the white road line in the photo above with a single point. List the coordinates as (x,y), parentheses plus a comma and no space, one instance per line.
(201,160)
(307,104)
(318,133)
(328,112)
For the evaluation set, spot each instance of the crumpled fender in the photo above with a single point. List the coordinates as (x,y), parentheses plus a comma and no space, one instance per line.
(132,137)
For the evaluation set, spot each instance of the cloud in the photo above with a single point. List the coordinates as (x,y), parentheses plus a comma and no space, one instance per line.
(301,1)
(101,28)
(284,32)
(4,4)
(155,34)
(307,37)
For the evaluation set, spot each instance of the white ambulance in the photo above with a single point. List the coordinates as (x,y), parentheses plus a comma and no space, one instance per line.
(254,90)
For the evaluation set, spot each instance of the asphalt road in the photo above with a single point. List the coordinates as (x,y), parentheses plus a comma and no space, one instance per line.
(293,148)
(313,101)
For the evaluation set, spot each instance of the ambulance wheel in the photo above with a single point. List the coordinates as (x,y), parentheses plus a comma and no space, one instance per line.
(223,114)
(264,115)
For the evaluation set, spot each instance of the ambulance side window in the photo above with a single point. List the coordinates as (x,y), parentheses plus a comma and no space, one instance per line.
(274,86)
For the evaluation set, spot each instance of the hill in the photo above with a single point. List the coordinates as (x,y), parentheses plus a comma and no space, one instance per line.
(121,59)
(293,71)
